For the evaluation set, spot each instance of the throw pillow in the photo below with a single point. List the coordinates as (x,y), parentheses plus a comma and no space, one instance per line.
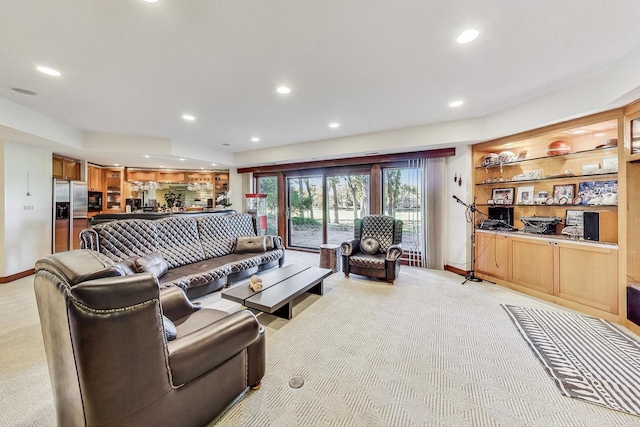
(369,246)
(246,244)
(170,330)
(154,263)
(128,265)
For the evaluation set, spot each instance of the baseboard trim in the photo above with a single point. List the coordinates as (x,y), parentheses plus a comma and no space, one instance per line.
(455,270)
(17,276)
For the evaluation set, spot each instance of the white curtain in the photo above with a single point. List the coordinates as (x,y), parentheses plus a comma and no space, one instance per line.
(427,223)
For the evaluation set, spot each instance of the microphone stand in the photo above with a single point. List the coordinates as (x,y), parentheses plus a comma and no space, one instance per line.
(471,208)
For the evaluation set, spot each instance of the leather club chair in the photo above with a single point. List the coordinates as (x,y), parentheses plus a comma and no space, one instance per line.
(376,248)
(112,359)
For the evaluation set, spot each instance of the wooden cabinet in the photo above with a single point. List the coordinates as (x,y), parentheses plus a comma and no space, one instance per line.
(493,254)
(576,272)
(167,176)
(94,178)
(65,168)
(142,175)
(113,183)
(587,274)
(532,263)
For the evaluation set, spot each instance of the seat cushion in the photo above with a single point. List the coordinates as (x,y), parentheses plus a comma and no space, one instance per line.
(376,262)
(198,320)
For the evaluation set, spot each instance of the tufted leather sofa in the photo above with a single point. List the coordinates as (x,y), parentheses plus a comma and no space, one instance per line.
(376,248)
(199,250)
(114,360)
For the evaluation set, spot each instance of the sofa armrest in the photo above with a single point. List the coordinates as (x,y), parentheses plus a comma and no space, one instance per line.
(175,303)
(350,247)
(394,252)
(206,348)
(277,242)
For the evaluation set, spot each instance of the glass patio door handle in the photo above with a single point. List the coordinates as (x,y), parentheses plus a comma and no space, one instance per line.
(287,213)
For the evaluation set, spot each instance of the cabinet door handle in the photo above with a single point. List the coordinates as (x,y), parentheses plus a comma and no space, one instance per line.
(549,243)
(555,243)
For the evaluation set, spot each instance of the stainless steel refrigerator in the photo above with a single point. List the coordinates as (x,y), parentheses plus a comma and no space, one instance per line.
(70,200)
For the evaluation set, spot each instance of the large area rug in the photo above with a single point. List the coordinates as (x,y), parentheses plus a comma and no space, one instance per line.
(588,358)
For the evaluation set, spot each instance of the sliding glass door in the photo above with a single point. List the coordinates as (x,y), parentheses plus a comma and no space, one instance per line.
(269,185)
(347,200)
(401,199)
(305,211)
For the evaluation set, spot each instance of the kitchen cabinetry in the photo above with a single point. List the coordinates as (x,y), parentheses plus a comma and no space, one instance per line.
(221,184)
(65,168)
(113,182)
(94,178)
(200,177)
(167,176)
(577,272)
(142,175)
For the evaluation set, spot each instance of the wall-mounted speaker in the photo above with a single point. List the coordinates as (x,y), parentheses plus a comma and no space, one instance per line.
(601,226)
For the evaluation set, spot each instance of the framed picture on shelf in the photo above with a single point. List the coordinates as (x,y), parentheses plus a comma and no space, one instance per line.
(503,196)
(598,192)
(525,195)
(574,217)
(564,190)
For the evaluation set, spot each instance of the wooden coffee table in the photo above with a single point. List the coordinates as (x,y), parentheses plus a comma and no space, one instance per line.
(279,288)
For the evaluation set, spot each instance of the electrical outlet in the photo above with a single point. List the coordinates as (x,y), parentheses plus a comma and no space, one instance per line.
(27,208)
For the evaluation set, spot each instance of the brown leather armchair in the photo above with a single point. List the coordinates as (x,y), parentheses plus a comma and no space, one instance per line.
(376,248)
(113,361)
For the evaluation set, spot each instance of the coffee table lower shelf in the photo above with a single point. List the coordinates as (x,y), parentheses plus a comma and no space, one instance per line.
(279,288)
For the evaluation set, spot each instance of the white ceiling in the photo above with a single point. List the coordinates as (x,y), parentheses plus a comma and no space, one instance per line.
(134,68)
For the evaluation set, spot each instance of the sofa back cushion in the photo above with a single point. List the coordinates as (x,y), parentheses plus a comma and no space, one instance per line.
(178,240)
(214,235)
(240,224)
(126,238)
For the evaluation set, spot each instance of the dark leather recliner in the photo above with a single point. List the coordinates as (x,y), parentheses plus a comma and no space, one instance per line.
(109,357)
(376,248)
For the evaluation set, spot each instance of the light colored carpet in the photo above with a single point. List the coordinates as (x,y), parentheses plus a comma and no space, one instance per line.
(426,351)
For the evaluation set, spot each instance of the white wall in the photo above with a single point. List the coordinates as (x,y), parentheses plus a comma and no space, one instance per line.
(458,244)
(25,234)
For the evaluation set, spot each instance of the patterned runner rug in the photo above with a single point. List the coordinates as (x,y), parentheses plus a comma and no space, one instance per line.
(588,358)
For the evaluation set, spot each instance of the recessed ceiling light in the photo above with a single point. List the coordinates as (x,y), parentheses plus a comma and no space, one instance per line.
(456,103)
(578,132)
(151,1)
(182,160)
(226,145)
(334,125)
(23,91)
(201,167)
(283,90)
(467,36)
(213,164)
(116,164)
(146,156)
(188,117)
(49,71)
(255,139)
